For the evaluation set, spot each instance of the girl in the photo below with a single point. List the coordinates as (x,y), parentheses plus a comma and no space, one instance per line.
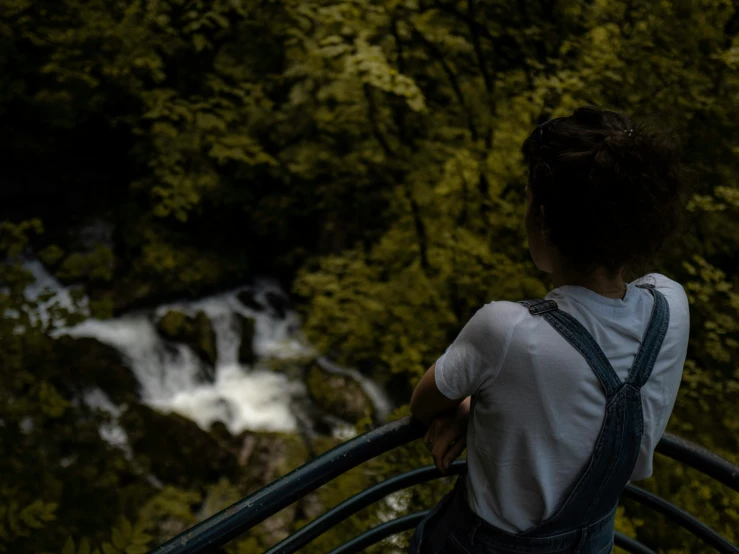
(561,401)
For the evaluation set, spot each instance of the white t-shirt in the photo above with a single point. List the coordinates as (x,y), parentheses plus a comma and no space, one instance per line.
(538,407)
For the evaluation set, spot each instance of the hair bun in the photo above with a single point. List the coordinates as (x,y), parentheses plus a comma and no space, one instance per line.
(624,183)
(588,116)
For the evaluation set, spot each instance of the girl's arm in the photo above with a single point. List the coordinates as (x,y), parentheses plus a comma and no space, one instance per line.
(446,420)
(427,402)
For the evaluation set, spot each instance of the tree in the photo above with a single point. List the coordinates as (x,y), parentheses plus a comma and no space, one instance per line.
(373,149)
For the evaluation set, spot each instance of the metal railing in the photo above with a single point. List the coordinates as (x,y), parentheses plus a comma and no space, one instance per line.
(209,535)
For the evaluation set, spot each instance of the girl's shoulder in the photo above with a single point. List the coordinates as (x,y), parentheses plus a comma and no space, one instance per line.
(673,291)
(503,312)
(493,320)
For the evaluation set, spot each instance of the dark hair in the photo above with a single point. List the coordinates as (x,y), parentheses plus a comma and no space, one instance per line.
(613,191)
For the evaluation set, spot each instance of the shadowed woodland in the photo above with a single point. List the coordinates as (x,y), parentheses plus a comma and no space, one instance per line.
(365,154)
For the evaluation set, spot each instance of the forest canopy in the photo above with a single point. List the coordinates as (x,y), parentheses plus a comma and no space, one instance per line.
(366,153)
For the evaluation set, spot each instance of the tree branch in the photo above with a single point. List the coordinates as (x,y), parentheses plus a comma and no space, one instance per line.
(399,114)
(475,30)
(484,32)
(420,228)
(415,210)
(373,122)
(452,80)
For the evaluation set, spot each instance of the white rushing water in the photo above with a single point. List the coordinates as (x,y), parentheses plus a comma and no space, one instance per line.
(111,432)
(171,375)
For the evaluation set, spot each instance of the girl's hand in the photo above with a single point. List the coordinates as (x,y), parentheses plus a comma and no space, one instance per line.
(446,435)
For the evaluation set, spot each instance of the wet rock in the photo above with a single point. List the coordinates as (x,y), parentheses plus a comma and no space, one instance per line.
(279,303)
(197,332)
(86,363)
(246,346)
(224,406)
(266,456)
(220,432)
(337,394)
(246,297)
(175,449)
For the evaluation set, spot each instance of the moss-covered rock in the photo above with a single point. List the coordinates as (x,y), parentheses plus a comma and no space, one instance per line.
(265,456)
(197,332)
(175,449)
(85,363)
(246,347)
(337,394)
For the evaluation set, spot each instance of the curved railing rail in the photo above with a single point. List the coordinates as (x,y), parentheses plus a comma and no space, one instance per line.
(224,526)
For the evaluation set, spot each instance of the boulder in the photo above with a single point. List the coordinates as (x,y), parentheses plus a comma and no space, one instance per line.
(265,456)
(338,395)
(86,363)
(246,346)
(175,449)
(246,297)
(196,332)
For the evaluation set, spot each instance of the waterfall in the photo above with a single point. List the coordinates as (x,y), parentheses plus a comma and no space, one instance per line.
(170,374)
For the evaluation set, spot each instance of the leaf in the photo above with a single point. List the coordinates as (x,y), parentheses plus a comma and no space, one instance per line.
(200,42)
(69,547)
(118,540)
(126,528)
(109,549)
(84,547)
(141,525)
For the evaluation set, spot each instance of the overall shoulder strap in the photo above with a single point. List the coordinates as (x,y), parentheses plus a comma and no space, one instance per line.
(579,337)
(539,306)
(651,343)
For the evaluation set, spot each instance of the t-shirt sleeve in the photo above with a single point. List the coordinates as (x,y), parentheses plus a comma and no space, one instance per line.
(474,359)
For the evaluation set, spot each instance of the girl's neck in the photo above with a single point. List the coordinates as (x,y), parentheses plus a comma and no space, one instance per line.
(600,281)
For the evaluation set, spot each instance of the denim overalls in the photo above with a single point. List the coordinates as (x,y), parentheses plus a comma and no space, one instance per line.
(584,522)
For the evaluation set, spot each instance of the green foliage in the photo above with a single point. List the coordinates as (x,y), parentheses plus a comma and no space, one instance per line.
(51,255)
(14,238)
(128,539)
(43,429)
(17,521)
(84,547)
(95,265)
(374,150)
